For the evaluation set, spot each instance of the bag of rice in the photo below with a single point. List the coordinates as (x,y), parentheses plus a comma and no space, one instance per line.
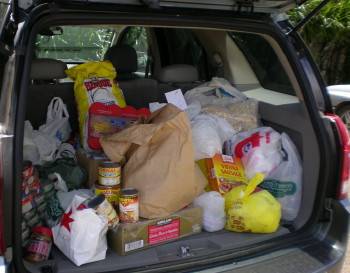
(94,82)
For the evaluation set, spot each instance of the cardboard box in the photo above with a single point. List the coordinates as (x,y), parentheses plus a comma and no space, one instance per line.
(223,172)
(90,164)
(129,238)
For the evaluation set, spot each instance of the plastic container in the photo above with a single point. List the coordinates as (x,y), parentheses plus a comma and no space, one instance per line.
(39,245)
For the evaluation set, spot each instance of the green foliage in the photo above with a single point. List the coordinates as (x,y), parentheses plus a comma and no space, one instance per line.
(328,36)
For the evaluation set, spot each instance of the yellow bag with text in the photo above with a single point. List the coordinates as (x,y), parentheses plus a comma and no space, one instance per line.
(251,209)
(94,83)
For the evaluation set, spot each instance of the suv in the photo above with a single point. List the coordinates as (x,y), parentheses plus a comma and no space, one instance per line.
(249,43)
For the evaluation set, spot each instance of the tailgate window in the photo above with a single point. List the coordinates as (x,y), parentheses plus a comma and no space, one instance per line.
(264,61)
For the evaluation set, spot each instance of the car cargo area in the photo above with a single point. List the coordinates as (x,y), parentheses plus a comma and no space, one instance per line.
(241,77)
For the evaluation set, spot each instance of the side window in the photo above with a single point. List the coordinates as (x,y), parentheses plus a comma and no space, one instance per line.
(75,44)
(264,62)
(184,48)
(137,38)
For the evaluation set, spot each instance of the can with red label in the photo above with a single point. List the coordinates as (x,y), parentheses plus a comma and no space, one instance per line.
(129,205)
(109,173)
(111,193)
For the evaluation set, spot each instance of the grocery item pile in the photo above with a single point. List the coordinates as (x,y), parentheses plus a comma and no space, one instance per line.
(133,179)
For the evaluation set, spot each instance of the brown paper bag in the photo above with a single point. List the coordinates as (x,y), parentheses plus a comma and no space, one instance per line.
(158,160)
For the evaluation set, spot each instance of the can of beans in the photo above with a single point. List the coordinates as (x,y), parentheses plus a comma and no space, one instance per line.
(109,173)
(129,205)
(111,193)
(101,204)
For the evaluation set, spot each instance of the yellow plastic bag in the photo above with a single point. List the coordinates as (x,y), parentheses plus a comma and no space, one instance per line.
(94,83)
(250,209)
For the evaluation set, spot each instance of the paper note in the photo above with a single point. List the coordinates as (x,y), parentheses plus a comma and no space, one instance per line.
(176,97)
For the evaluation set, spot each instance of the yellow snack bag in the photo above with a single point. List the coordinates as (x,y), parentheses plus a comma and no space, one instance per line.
(251,209)
(94,83)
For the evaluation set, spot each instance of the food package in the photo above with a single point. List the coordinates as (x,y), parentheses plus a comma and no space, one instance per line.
(94,82)
(243,116)
(251,209)
(223,172)
(109,119)
(132,237)
(260,150)
(158,160)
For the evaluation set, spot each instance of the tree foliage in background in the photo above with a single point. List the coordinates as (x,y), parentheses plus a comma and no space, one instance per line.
(328,36)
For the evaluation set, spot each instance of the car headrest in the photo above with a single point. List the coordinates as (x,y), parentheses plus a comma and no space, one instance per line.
(48,69)
(123,58)
(178,73)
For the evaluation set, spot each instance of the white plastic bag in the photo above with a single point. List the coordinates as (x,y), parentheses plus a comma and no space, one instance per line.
(213,210)
(38,147)
(260,150)
(209,132)
(57,120)
(216,92)
(81,234)
(285,182)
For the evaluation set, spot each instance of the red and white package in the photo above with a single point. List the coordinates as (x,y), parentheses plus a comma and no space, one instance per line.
(260,150)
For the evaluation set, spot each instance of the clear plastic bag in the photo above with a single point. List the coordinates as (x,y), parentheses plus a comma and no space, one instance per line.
(285,182)
(213,210)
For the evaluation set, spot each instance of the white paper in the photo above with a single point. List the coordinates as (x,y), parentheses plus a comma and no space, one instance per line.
(176,97)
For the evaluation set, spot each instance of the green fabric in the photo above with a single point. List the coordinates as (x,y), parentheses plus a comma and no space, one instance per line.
(74,175)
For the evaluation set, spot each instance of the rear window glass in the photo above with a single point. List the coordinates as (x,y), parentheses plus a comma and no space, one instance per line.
(75,44)
(264,62)
(183,48)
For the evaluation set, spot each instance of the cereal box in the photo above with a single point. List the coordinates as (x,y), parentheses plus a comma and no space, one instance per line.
(223,172)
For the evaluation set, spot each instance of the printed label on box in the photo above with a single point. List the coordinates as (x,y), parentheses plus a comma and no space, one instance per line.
(165,232)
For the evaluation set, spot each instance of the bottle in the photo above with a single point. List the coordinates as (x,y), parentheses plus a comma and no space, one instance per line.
(39,245)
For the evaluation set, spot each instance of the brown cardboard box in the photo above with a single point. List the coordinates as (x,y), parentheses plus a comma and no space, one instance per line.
(91,166)
(129,238)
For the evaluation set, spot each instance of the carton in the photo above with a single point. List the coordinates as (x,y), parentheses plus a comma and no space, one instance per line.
(129,238)
(90,164)
(223,172)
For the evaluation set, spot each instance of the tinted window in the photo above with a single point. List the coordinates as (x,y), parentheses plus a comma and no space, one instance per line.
(75,44)
(183,48)
(137,38)
(264,62)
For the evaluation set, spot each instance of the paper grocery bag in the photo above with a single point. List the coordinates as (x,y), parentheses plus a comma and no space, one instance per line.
(158,160)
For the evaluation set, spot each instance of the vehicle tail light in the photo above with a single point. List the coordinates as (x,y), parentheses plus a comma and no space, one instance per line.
(345,160)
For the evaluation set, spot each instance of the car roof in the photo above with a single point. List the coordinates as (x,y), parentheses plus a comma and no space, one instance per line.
(249,6)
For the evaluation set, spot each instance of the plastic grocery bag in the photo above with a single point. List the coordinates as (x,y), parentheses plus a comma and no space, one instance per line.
(81,234)
(260,150)
(209,133)
(158,160)
(94,83)
(213,210)
(216,92)
(38,147)
(57,120)
(250,209)
(285,182)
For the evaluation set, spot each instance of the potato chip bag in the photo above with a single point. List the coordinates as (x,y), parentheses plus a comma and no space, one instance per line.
(94,82)
(251,209)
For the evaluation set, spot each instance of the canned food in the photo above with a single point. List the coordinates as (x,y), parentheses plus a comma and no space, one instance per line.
(109,173)
(129,205)
(111,193)
(101,204)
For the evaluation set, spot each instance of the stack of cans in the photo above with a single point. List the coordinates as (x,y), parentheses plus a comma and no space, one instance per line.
(108,182)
